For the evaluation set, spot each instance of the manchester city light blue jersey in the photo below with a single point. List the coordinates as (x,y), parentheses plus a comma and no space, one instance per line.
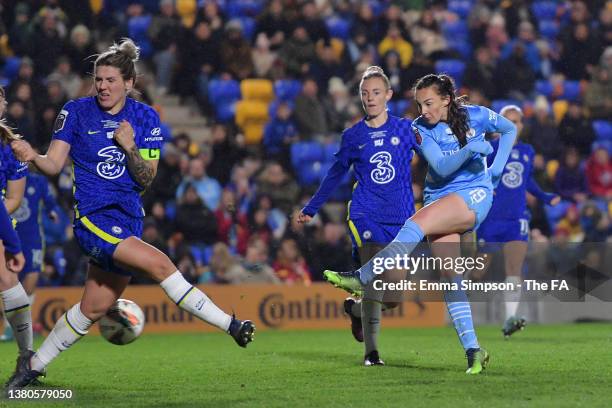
(473,173)
(28,216)
(10,167)
(101,176)
(381,159)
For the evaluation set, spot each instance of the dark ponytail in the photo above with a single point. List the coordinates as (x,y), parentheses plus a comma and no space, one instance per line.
(457,117)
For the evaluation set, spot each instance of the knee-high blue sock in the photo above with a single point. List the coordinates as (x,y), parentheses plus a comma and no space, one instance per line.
(461,315)
(409,236)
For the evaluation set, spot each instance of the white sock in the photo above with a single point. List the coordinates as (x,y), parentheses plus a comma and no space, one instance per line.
(194,301)
(69,329)
(512,298)
(19,314)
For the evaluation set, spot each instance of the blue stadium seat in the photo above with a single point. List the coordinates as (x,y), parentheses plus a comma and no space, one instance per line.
(603,129)
(571,90)
(544,87)
(11,68)
(555,213)
(378,7)
(549,29)
(309,173)
(462,46)
(329,150)
(457,30)
(59,261)
(287,89)
(274,105)
(460,7)
(603,143)
(338,27)
(306,152)
(397,108)
(137,30)
(248,28)
(452,67)
(243,8)
(220,90)
(197,254)
(544,10)
(225,111)
(170,208)
(498,104)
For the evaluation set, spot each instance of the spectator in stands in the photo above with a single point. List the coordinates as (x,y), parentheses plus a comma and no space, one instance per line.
(599,174)
(575,130)
(569,228)
(17,117)
(80,50)
(570,181)
(280,132)
(598,96)
(519,76)
(164,224)
(496,36)
(480,73)
(273,24)
(47,47)
(236,51)
(256,262)
(526,38)
(289,265)
(152,235)
(71,82)
(197,223)
(579,53)
(211,14)
(358,44)
(332,247)
(396,42)
(165,33)
(226,153)
(309,112)
(223,267)
(297,52)
(594,223)
(20,34)
(313,23)
(231,222)
(392,17)
(339,106)
(207,188)
(263,58)
(168,176)
(279,186)
(541,131)
(366,24)
(428,35)
(326,66)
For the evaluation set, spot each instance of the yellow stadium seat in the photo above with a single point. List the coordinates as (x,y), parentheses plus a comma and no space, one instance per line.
(251,117)
(96,6)
(551,168)
(559,110)
(257,90)
(187,10)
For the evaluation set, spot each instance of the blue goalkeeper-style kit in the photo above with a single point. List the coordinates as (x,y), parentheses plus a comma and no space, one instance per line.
(382,197)
(107,207)
(508,219)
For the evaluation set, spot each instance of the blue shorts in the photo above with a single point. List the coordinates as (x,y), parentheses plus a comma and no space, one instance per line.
(501,231)
(99,233)
(33,254)
(478,199)
(365,231)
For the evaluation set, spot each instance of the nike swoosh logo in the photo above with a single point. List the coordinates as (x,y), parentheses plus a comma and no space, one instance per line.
(362,146)
(92,132)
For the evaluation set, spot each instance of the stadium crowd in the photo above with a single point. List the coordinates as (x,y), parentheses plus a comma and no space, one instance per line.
(224,208)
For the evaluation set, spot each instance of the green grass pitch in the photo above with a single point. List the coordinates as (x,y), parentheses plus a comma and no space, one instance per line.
(547,366)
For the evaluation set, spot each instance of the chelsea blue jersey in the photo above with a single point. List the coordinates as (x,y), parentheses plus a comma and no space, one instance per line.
(473,173)
(100,173)
(28,216)
(10,167)
(381,158)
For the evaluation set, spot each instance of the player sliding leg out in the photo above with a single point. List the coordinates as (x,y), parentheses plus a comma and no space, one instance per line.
(108,221)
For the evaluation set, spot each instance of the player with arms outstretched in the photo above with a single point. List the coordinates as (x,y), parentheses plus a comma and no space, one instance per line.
(458,193)
(380,149)
(114,143)
(508,220)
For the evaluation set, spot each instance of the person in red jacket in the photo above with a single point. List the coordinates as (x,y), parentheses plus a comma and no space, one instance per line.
(599,173)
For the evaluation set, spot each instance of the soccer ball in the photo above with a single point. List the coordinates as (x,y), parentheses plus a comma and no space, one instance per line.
(122,323)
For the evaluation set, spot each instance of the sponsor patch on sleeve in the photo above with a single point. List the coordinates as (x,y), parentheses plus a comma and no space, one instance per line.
(60,121)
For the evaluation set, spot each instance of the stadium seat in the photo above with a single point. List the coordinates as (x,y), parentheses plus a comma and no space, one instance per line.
(571,90)
(223,90)
(243,8)
(551,168)
(251,116)
(559,109)
(460,45)
(544,87)
(137,30)
(456,30)
(187,10)
(498,104)
(225,111)
(273,106)
(287,89)
(452,67)
(59,261)
(338,27)
(257,90)
(11,68)
(548,29)
(603,129)
(544,10)
(460,7)
(248,28)
(556,212)
(306,152)
(329,151)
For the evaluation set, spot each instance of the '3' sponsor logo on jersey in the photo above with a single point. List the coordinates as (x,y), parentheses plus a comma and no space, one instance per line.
(112,167)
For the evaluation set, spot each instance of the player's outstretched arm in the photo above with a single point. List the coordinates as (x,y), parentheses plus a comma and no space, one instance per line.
(506,141)
(143,172)
(50,164)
